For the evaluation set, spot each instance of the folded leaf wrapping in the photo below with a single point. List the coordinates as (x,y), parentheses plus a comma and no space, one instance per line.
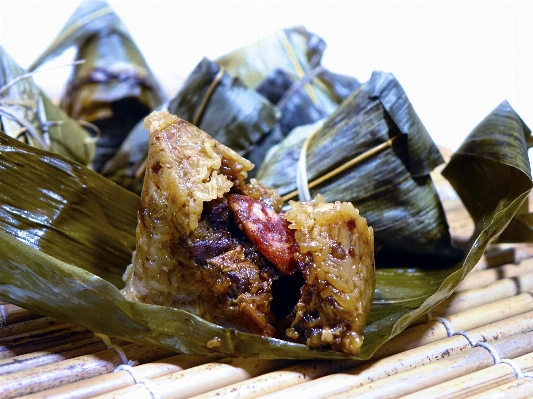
(495,151)
(297,53)
(217,103)
(393,188)
(224,99)
(114,88)
(28,114)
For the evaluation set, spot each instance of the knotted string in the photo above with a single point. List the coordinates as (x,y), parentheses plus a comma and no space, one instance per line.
(492,351)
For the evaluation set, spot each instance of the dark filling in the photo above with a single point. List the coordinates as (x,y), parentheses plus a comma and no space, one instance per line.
(219,233)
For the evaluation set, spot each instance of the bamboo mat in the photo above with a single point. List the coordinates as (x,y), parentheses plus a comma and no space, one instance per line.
(478,343)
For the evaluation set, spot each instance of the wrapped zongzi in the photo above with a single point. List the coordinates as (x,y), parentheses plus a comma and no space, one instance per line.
(27,114)
(114,88)
(248,100)
(392,188)
(216,102)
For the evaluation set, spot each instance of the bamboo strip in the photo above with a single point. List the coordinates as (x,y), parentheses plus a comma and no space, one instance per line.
(113,381)
(435,373)
(60,373)
(465,300)
(522,251)
(518,389)
(201,379)
(40,340)
(12,314)
(430,353)
(27,326)
(500,254)
(486,277)
(467,320)
(277,380)
(53,355)
(477,382)
(352,162)
(499,290)
(494,256)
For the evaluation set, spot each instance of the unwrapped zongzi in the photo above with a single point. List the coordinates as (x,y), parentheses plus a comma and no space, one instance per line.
(211,244)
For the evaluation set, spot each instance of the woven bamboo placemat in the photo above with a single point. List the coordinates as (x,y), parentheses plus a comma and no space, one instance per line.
(478,343)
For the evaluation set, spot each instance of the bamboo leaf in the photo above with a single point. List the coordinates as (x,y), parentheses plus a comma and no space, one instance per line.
(216,102)
(235,115)
(66,210)
(40,282)
(491,174)
(393,188)
(289,95)
(297,53)
(27,113)
(491,168)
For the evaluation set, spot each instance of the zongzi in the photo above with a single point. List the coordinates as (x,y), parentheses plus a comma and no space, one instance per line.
(213,245)
(393,188)
(27,114)
(114,87)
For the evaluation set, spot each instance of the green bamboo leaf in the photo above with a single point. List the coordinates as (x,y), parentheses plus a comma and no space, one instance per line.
(491,168)
(297,53)
(235,115)
(42,283)
(289,94)
(228,105)
(520,229)
(27,113)
(114,88)
(66,210)
(88,19)
(217,103)
(491,174)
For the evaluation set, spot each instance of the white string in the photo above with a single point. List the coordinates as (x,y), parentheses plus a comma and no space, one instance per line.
(144,381)
(3,317)
(120,352)
(127,365)
(517,371)
(302,181)
(449,330)
(494,354)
